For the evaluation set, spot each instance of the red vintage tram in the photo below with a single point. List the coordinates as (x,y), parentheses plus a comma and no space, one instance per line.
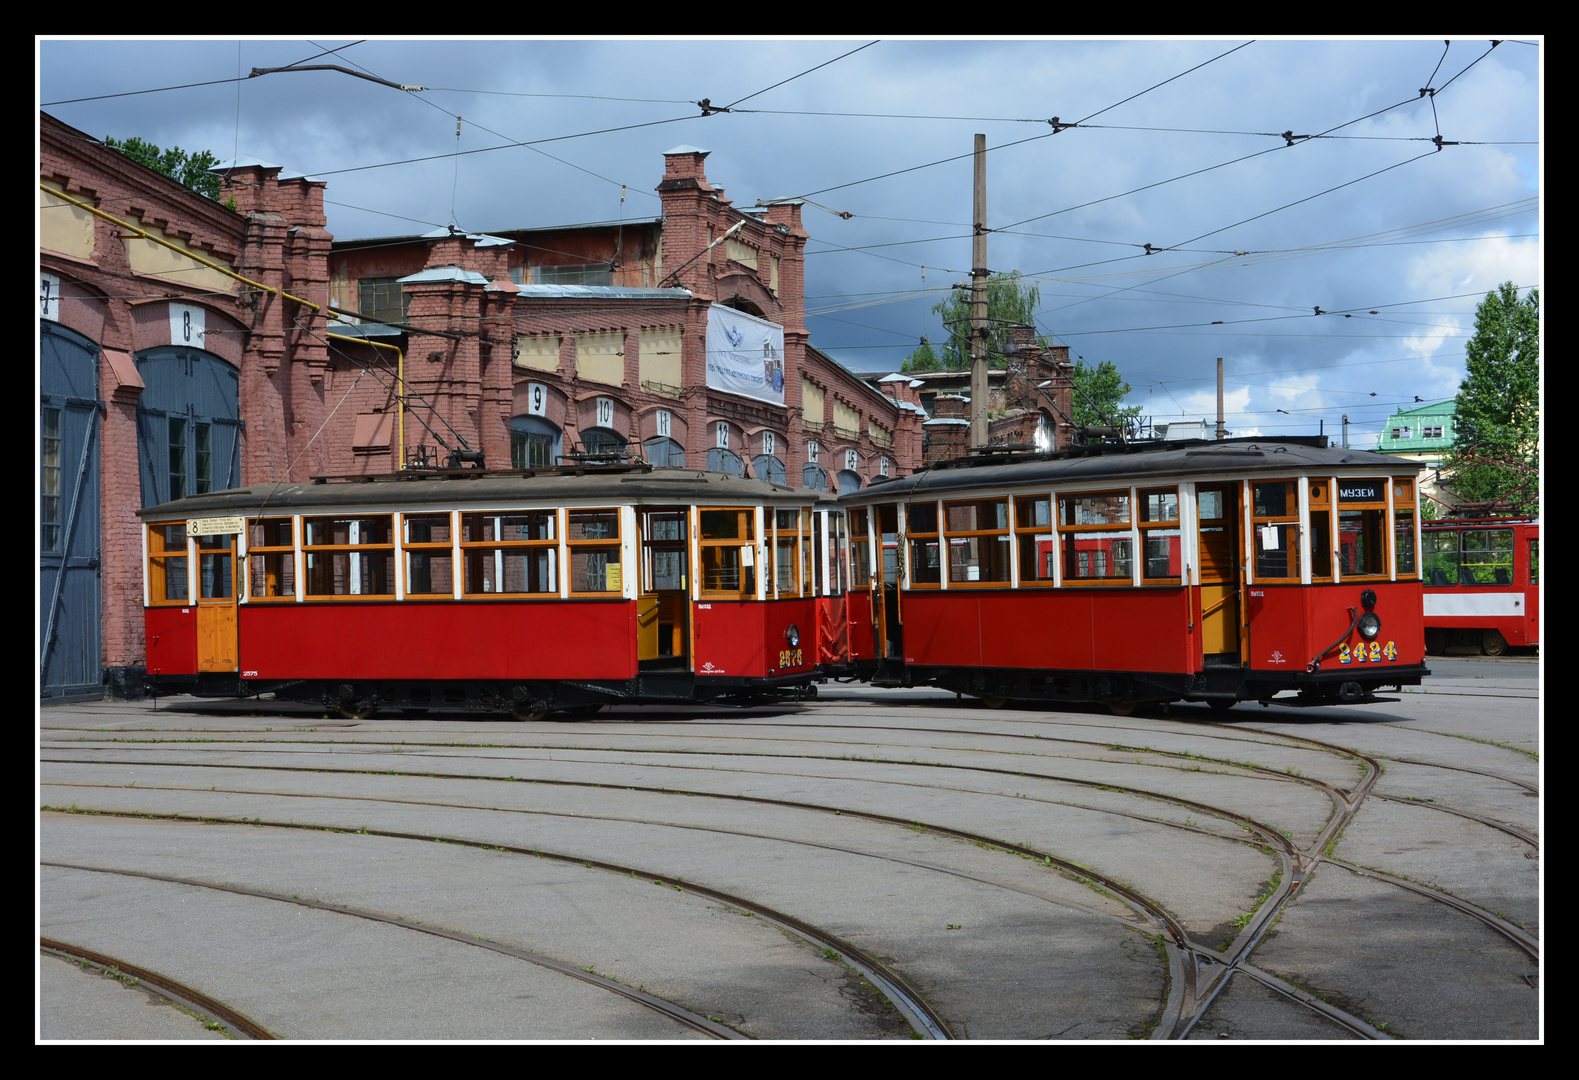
(555,590)
(1202,571)
(1482,584)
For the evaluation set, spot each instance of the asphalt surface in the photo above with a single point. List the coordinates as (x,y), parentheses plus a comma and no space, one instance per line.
(802,873)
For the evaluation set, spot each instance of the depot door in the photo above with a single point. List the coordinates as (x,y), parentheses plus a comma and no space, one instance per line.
(1219,516)
(217,641)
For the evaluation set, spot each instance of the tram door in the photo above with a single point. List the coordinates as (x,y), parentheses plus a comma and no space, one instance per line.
(217,647)
(890,632)
(663,628)
(1219,517)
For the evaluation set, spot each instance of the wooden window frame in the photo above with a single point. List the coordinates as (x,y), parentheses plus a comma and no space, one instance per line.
(448,547)
(584,546)
(780,538)
(470,549)
(159,558)
(912,539)
(1069,533)
(1027,533)
(979,535)
(1287,521)
(1365,507)
(1160,526)
(330,550)
(265,552)
(1403,495)
(746,518)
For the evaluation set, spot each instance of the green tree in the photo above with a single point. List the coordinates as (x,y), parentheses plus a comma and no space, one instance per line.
(187,169)
(924,358)
(1099,395)
(1009,302)
(1497,415)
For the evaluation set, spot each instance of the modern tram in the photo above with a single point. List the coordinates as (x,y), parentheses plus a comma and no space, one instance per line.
(531,592)
(1482,584)
(1218,571)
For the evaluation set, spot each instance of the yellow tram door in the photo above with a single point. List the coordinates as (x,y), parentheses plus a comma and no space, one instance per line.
(217,637)
(1218,545)
(662,612)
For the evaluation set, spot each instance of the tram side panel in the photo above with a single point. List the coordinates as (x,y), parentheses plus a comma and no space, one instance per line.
(581,639)
(171,636)
(752,639)
(1062,630)
(1290,625)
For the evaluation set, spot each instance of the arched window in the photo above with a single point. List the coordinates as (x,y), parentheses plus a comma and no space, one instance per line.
(664,453)
(848,480)
(769,468)
(600,440)
(725,461)
(188,423)
(534,443)
(814,477)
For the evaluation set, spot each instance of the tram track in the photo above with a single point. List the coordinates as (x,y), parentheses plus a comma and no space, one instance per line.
(1197,976)
(207,1008)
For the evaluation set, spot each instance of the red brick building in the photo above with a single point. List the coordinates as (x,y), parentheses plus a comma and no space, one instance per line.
(187,345)
(535,345)
(172,359)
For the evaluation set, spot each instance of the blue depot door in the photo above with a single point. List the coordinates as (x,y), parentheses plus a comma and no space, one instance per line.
(70,650)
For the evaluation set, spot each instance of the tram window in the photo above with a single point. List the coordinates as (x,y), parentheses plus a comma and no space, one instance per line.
(430,558)
(978,540)
(167,581)
(350,556)
(811,580)
(728,551)
(786,570)
(888,531)
(860,549)
(1363,542)
(1160,536)
(1487,557)
(271,558)
(838,556)
(921,527)
(1441,557)
(1033,532)
(593,536)
(666,535)
(1404,526)
(1095,538)
(511,554)
(1276,528)
(1535,561)
(216,566)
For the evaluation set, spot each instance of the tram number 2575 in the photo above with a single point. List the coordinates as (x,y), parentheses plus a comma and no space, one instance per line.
(791,657)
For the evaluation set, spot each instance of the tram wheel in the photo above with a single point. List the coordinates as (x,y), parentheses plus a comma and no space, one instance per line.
(356,712)
(1221,704)
(527,714)
(993,702)
(1492,643)
(1122,708)
(1436,642)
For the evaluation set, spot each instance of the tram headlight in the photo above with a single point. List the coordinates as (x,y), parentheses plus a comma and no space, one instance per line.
(792,635)
(1370,625)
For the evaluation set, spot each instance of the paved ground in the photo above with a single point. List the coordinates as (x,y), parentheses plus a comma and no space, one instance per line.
(876,865)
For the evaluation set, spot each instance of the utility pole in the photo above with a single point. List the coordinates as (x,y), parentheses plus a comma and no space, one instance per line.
(1220,431)
(978,302)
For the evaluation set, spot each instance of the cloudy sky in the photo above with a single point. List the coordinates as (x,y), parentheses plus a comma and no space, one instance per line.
(1180,145)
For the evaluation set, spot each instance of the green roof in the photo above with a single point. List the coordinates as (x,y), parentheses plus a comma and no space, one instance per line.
(1415,430)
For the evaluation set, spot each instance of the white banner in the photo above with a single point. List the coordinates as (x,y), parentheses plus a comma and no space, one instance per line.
(745,355)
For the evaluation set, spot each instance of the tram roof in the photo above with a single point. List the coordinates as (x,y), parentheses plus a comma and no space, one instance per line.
(1152,462)
(471,487)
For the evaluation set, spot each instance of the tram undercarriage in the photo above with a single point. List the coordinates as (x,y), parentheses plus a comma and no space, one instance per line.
(1221,687)
(528,700)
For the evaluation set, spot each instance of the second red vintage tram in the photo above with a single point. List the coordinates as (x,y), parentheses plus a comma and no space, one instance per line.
(1199,571)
